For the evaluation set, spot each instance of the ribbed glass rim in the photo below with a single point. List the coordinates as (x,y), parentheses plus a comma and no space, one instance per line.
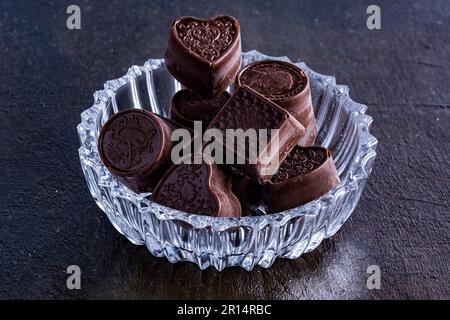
(365,151)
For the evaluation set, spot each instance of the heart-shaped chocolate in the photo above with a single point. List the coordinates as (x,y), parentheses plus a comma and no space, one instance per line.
(305,174)
(204,54)
(210,38)
(197,188)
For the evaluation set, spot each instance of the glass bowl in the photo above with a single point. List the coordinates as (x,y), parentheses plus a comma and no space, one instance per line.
(224,242)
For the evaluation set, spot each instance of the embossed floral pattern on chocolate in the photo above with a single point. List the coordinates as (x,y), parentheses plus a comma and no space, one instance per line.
(299,162)
(130,141)
(210,39)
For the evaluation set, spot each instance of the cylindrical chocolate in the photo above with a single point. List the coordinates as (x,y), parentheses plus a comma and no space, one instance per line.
(135,146)
(188,107)
(306,174)
(286,85)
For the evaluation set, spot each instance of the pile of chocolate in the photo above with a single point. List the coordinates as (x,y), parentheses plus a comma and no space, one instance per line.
(205,57)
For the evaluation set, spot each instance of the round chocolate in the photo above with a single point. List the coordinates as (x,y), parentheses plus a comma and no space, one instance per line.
(134,144)
(188,107)
(288,86)
(129,141)
(274,79)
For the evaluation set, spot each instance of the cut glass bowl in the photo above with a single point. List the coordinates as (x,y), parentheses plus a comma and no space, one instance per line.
(224,242)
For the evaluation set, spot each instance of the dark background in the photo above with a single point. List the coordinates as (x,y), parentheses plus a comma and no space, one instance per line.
(48,219)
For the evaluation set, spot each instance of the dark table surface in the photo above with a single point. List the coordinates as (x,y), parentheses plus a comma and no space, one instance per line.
(49,221)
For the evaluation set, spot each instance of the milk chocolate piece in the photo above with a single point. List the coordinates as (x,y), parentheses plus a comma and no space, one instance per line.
(247,109)
(306,174)
(198,188)
(247,191)
(288,86)
(188,107)
(135,146)
(204,55)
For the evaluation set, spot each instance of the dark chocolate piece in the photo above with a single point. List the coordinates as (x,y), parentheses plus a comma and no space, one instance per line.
(204,55)
(247,191)
(135,146)
(306,174)
(198,188)
(247,109)
(288,86)
(188,107)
